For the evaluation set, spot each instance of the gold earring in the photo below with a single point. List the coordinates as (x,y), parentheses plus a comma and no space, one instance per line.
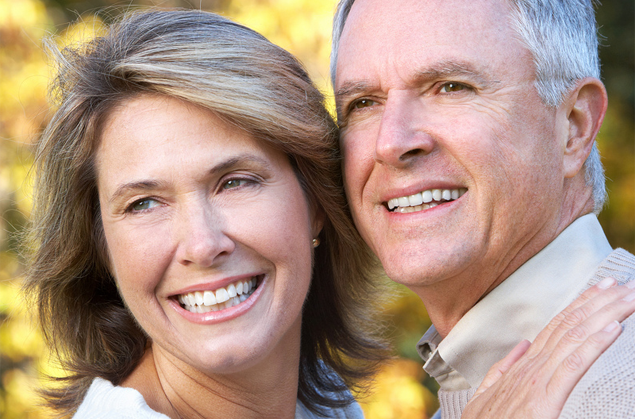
(316,242)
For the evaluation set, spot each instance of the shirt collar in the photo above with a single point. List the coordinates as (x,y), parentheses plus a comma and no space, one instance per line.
(517,309)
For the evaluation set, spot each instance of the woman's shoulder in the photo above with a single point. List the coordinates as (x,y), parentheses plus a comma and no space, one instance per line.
(352,411)
(106,401)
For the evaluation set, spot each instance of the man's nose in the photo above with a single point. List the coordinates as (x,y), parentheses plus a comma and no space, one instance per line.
(402,135)
(202,237)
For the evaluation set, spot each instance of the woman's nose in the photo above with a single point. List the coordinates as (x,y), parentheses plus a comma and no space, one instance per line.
(202,237)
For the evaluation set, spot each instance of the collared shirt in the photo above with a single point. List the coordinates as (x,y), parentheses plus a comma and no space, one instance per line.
(519,308)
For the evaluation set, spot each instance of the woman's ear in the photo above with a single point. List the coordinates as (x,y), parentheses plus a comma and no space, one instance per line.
(317,220)
(586,107)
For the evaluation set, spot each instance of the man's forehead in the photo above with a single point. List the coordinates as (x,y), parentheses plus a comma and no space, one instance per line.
(415,36)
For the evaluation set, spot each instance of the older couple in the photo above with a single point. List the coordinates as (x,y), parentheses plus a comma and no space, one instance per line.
(194,255)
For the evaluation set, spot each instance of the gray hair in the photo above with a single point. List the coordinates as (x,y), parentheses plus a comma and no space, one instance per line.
(562,37)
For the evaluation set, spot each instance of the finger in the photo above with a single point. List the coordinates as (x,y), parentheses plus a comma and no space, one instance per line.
(613,304)
(502,366)
(585,297)
(576,364)
(592,300)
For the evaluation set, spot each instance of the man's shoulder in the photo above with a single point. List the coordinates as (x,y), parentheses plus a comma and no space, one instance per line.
(607,390)
(619,264)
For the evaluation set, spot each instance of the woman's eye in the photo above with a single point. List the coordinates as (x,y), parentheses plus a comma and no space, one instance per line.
(453,87)
(143,204)
(363,103)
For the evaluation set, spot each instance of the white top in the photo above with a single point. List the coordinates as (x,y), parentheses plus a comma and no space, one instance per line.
(519,308)
(105,401)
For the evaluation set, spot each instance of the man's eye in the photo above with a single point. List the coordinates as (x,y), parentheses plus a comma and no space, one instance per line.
(234,183)
(453,87)
(363,103)
(143,204)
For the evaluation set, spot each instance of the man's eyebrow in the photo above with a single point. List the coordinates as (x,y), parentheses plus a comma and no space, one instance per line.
(446,69)
(351,88)
(149,184)
(440,70)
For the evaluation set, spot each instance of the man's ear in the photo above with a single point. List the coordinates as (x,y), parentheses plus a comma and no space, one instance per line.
(586,107)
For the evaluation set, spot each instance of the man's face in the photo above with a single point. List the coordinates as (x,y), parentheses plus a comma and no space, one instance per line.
(437,102)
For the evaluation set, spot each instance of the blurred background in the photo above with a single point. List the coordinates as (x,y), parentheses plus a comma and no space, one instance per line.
(402,390)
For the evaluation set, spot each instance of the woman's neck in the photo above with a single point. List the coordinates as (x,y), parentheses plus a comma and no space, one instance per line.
(169,386)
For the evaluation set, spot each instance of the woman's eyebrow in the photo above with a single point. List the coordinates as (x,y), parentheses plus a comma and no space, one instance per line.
(148,184)
(141,185)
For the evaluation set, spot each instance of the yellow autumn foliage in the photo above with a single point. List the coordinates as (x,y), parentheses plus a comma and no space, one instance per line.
(301,26)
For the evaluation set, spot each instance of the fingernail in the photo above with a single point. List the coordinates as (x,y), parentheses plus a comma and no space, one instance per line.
(630,297)
(630,285)
(607,283)
(612,326)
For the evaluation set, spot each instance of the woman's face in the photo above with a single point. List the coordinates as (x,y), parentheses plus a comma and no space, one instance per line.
(208,231)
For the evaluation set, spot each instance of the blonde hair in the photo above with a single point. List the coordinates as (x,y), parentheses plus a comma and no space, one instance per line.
(220,65)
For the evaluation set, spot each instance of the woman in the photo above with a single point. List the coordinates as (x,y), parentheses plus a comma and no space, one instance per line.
(191,167)
(193,254)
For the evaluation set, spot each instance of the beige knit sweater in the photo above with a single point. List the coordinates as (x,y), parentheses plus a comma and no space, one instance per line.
(607,390)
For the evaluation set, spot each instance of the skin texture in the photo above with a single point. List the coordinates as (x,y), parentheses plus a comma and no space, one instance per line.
(190,203)
(425,104)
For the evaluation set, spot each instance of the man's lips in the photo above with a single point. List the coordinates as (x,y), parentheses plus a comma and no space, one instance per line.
(423,200)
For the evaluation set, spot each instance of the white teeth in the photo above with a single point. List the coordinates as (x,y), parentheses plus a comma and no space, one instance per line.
(225,297)
(209,298)
(198,297)
(221,295)
(415,199)
(433,197)
(231,291)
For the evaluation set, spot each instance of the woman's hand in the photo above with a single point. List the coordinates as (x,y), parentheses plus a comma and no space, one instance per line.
(535,380)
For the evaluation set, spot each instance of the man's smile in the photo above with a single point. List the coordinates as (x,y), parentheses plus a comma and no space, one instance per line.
(424,200)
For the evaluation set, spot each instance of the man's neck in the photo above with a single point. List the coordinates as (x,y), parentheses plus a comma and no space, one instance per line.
(448,300)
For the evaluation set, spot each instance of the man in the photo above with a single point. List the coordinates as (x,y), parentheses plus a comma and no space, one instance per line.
(468,135)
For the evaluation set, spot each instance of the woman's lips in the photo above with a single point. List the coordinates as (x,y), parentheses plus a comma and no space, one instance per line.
(221,298)
(219,312)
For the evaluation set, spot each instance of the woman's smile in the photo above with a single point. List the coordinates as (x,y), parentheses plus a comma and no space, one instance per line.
(221,298)
(205,257)
(222,304)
